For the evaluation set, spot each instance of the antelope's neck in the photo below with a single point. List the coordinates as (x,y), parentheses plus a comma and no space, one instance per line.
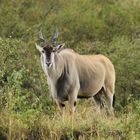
(57,68)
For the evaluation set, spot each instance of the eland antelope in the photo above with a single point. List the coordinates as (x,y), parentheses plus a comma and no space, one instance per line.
(71,75)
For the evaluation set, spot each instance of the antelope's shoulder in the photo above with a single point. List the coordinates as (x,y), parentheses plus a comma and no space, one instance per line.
(67,50)
(68,53)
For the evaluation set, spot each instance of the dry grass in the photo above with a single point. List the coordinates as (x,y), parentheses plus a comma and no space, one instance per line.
(87,125)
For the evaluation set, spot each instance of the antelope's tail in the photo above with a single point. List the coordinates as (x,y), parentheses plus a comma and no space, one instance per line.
(114,99)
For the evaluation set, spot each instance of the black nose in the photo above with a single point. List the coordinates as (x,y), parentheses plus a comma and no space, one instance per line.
(48,64)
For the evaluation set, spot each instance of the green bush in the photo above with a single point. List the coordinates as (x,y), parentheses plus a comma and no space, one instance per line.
(27,87)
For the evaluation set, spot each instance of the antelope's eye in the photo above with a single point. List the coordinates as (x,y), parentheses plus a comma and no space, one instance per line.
(43,51)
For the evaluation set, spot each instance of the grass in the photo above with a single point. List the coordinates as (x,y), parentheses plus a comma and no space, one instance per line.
(87,124)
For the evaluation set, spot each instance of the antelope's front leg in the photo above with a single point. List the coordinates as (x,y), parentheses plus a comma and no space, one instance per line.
(60,106)
(72,100)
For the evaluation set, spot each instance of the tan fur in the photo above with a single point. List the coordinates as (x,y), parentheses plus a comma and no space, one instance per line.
(97,68)
(92,73)
(73,75)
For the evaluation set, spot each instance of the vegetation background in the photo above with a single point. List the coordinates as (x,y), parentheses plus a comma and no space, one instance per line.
(109,27)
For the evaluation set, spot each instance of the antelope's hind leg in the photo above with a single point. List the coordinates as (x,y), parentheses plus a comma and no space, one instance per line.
(98,101)
(110,98)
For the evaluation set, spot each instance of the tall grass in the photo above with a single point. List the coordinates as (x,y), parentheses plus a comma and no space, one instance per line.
(87,124)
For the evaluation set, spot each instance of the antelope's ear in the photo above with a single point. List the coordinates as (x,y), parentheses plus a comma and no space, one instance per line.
(38,48)
(59,47)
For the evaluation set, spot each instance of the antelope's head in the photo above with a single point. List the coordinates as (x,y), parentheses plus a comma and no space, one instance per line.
(48,50)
